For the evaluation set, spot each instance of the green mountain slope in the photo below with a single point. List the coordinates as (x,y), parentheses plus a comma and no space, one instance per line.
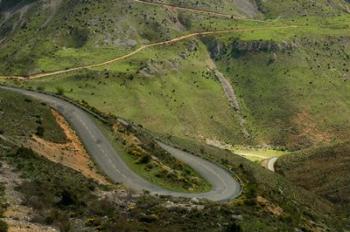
(286,61)
(289,75)
(71,33)
(323,170)
(295,93)
(293,8)
(233,7)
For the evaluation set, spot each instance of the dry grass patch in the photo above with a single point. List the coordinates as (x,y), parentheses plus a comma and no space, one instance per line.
(268,206)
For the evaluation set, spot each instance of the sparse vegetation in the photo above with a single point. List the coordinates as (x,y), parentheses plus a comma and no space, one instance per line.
(22,117)
(60,91)
(322,170)
(3,206)
(259,182)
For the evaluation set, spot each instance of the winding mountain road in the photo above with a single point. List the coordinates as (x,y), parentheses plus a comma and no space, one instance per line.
(224,186)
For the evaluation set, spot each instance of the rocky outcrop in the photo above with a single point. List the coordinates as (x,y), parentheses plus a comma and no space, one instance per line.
(233,100)
(259,46)
(238,48)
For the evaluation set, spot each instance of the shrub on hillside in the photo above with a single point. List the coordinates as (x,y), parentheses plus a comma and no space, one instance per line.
(60,91)
(3,226)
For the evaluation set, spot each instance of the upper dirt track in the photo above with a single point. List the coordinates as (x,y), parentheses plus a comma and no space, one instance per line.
(141,48)
(224,187)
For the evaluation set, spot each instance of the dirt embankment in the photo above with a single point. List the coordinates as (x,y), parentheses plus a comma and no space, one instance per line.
(71,154)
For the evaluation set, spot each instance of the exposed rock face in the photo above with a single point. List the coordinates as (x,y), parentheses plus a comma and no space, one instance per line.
(11,4)
(12,15)
(238,48)
(259,46)
(247,7)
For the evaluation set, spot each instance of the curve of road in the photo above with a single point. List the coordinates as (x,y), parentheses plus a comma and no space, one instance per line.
(270,163)
(224,186)
(143,47)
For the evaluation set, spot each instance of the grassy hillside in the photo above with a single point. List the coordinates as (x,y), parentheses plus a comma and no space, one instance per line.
(229,7)
(299,206)
(74,33)
(22,117)
(161,104)
(166,89)
(292,84)
(290,76)
(322,170)
(70,34)
(293,8)
(3,225)
(291,92)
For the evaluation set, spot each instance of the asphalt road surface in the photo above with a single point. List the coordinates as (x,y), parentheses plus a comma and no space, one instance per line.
(271,164)
(224,186)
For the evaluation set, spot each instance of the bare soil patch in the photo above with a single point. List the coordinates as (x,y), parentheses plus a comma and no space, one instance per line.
(269,207)
(308,130)
(71,154)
